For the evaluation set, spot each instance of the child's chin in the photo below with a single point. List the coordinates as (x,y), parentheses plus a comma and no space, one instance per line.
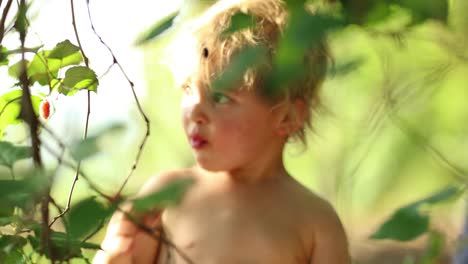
(209,165)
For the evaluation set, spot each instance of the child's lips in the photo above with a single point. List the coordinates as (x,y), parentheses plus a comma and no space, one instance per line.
(197,141)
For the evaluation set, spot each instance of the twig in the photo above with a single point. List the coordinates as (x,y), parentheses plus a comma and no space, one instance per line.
(112,199)
(140,108)
(456,172)
(27,113)
(75,179)
(160,236)
(3,19)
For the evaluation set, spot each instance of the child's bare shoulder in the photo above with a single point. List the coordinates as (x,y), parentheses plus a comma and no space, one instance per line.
(161,179)
(322,226)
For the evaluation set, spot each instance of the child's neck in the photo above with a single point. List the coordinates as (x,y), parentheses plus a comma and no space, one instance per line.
(258,171)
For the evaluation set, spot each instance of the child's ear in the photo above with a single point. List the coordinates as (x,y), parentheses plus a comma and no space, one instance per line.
(291,117)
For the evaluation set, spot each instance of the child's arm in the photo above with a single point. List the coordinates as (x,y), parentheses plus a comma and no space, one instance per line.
(331,245)
(124,242)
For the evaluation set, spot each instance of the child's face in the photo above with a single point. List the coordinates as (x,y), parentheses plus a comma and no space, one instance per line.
(228,130)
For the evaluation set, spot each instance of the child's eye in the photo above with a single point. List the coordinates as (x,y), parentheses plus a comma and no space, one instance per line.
(220,98)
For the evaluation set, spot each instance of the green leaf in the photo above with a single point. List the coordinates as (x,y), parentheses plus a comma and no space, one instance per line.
(86,216)
(45,65)
(248,57)
(170,195)
(410,222)
(77,78)
(9,154)
(239,21)
(43,70)
(15,69)
(10,108)
(158,28)
(64,50)
(405,224)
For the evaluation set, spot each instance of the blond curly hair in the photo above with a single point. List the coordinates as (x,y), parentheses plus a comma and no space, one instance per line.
(215,50)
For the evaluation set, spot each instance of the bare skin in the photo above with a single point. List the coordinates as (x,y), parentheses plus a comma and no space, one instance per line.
(225,221)
(244,207)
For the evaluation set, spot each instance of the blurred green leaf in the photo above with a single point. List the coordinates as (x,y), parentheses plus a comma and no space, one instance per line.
(77,78)
(3,56)
(63,247)
(158,28)
(11,249)
(364,12)
(6,220)
(85,148)
(423,10)
(22,192)
(89,146)
(248,57)
(409,222)
(345,67)
(85,216)
(435,248)
(169,195)
(239,21)
(10,153)
(448,193)
(21,22)
(405,224)
(15,69)
(304,33)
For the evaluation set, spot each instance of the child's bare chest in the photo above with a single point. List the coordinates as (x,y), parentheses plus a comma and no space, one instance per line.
(223,229)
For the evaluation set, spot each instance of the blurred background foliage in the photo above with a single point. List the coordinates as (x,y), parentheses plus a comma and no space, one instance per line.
(393,130)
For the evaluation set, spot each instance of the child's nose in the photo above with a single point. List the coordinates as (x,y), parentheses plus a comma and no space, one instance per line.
(198,112)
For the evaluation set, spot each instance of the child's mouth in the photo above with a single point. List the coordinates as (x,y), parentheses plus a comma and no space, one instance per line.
(197,142)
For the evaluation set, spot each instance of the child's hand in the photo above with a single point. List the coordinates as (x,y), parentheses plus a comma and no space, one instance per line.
(125,243)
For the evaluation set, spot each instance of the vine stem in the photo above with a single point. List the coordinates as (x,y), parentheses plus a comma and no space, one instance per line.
(112,200)
(88,113)
(6,9)
(135,97)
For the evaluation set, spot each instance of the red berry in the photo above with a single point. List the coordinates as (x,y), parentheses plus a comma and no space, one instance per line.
(44,109)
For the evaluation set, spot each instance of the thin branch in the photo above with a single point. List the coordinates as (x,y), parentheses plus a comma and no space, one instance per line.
(160,236)
(455,171)
(12,171)
(75,179)
(110,199)
(27,113)
(3,19)
(140,108)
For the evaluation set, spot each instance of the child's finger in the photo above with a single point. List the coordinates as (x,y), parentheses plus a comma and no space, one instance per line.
(116,250)
(145,246)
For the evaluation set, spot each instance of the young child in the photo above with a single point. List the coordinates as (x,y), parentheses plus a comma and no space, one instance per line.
(244,206)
